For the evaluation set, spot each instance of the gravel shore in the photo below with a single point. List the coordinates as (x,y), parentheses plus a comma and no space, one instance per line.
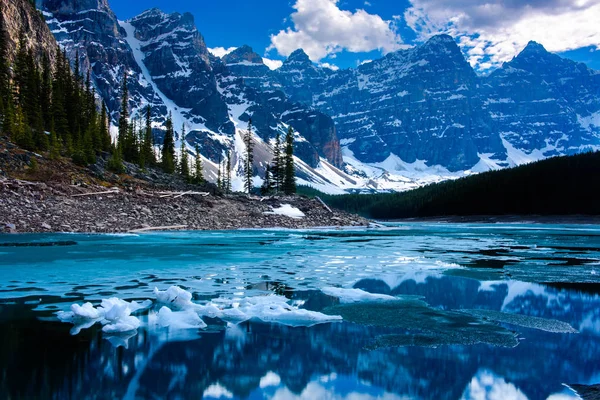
(57,207)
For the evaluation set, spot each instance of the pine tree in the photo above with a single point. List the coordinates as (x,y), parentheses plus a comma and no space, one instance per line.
(198,170)
(184,165)
(277,171)
(4,72)
(59,115)
(103,130)
(249,159)
(168,148)
(289,179)
(115,162)
(124,115)
(46,93)
(219,182)
(267,186)
(228,173)
(147,150)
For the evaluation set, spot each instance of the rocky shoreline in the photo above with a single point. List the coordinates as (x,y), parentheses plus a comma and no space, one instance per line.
(55,207)
(38,194)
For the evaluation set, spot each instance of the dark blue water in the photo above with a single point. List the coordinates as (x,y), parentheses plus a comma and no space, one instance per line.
(421,347)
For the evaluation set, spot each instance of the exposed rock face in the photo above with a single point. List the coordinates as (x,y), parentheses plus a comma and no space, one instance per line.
(428,104)
(540,101)
(90,30)
(169,67)
(19,16)
(178,61)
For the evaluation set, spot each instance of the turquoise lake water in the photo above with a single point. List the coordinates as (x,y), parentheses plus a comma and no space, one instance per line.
(429,311)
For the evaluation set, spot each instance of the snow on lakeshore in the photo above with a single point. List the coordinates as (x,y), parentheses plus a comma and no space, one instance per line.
(287,210)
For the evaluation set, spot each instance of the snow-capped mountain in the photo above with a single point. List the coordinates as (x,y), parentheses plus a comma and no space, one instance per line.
(412,117)
(170,68)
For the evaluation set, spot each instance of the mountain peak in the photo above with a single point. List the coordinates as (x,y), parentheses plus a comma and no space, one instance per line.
(241,54)
(534,47)
(298,56)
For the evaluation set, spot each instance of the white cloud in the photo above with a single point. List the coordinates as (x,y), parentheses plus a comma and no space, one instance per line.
(486,385)
(330,66)
(321,28)
(494,31)
(221,51)
(272,64)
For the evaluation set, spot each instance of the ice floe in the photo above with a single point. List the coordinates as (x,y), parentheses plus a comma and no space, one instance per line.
(543,324)
(187,319)
(275,309)
(347,296)
(113,313)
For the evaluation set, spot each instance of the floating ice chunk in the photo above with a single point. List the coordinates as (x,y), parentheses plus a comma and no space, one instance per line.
(187,319)
(274,309)
(287,210)
(175,297)
(113,313)
(347,296)
(117,315)
(86,311)
(124,323)
(543,324)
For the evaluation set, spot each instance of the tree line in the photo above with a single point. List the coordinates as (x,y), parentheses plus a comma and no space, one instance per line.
(564,185)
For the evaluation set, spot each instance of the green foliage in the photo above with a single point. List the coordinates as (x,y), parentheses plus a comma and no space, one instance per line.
(33,165)
(278,167)
(289,177)
(556,186)
(168,148)
(115,162)
(184,164)
(198,177)
(268,186)
(249,159)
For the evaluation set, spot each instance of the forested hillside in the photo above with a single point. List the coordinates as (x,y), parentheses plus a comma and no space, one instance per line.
(556,186)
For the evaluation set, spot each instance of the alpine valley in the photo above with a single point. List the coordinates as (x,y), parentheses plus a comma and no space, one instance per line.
(413,117)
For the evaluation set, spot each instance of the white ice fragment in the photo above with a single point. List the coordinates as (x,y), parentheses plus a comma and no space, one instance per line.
(187,319)
(85,311)
(175,297)
(274,309)
(113,313)
(347,296)
(287,210)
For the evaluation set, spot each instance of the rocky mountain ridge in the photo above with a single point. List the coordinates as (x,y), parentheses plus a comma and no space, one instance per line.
(412,117)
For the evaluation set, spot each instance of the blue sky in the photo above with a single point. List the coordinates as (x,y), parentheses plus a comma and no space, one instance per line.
(344,33)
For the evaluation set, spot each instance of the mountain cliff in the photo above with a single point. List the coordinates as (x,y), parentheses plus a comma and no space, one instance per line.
(413,117)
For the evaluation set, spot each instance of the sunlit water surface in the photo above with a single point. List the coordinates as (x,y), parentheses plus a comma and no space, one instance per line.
(421,347)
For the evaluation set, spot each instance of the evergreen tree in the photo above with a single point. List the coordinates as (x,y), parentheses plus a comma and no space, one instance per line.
(124,114)
(249,159)
(228,173)
(4,72)
(184,165)
(115,162)
(267,186)
(58,109)
(168,148)
(198,170)
(46,93)
(147,150)
(103,130)
(277,171)
(289,179)
(219,182)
